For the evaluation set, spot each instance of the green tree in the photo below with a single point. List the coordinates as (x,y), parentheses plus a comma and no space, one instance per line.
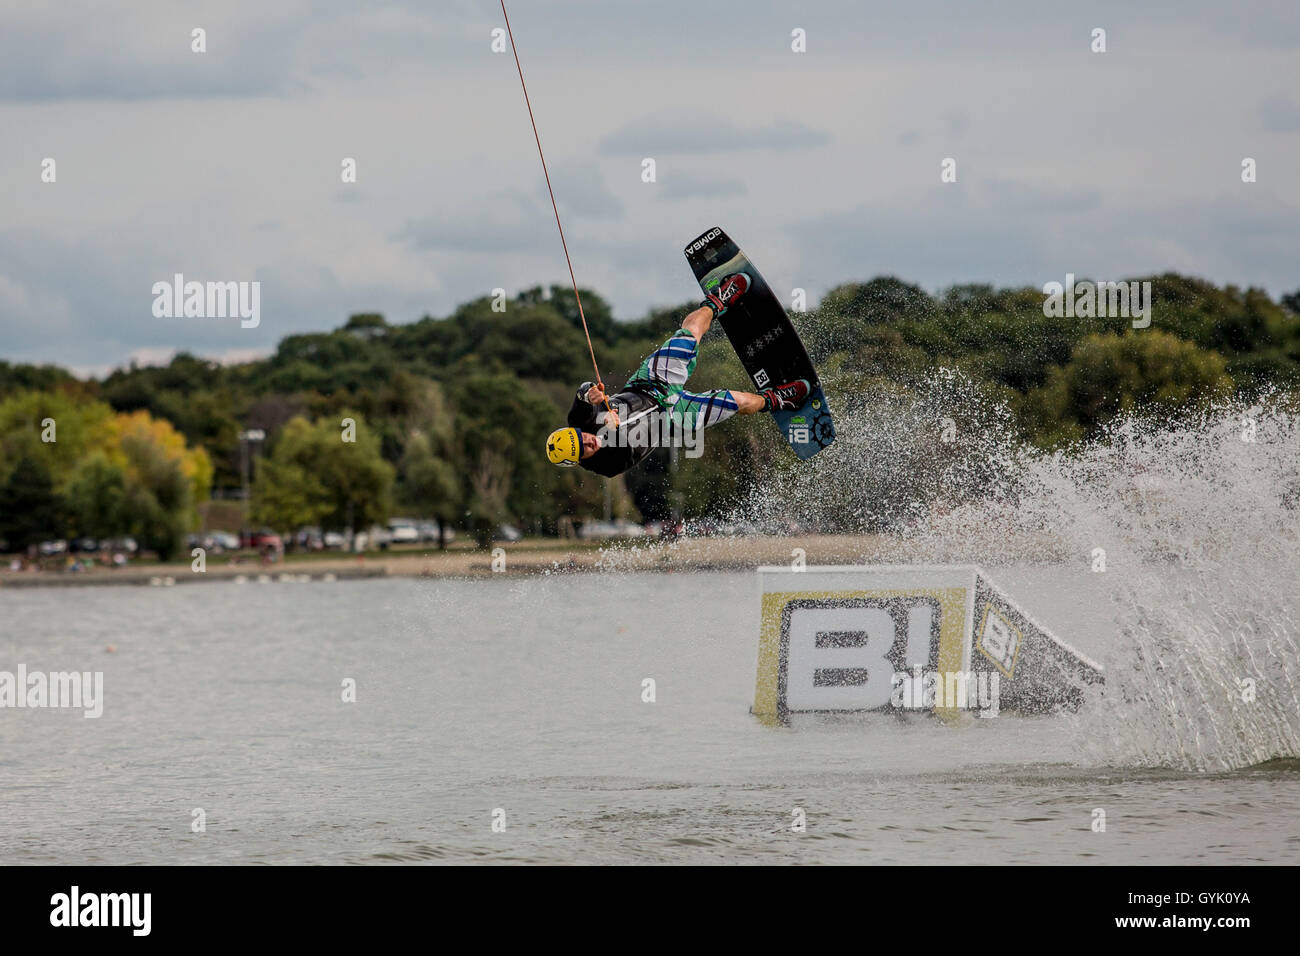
(600,317)
(29,508)
(502,426)
(159,502)
(97,497)
(882,300)
(429,483)
(288,496)
(489,488)
(366,325)
(78,428)
(314,474)
(43,378)
(1109,375)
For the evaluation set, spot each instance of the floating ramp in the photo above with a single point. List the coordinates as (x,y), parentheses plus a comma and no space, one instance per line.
(906,637)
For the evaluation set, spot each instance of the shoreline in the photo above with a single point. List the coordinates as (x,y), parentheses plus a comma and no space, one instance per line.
(539,556)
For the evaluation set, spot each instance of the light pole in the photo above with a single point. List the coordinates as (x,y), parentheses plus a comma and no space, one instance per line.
(250,435)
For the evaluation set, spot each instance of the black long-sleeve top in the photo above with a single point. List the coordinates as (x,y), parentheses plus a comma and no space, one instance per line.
(614,458)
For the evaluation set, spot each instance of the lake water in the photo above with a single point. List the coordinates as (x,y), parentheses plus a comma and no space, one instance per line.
(525,695)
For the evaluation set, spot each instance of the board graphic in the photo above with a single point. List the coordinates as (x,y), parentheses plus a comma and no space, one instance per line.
(764,339)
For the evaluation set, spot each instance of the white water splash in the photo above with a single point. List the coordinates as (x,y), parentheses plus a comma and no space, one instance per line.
(899,458)
(1197,522)
(1200,522)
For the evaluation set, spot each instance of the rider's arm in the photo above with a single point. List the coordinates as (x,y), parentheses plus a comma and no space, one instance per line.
(583,413)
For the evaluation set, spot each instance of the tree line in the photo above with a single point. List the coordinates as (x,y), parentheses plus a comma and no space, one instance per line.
(449,414)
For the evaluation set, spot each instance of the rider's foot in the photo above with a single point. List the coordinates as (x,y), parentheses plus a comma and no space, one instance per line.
(787,397)
(729,290)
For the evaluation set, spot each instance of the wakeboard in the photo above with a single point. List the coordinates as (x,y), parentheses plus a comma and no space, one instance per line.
(765,340)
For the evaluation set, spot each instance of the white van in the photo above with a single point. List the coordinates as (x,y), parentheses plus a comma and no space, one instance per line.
(403,531)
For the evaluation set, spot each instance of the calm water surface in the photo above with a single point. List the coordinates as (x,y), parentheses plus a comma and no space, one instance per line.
(525,696)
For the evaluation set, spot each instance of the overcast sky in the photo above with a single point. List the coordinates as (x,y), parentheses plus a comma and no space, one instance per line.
(824,166)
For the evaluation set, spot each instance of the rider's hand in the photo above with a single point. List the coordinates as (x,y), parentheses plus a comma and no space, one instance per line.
(596,394)
(611,419)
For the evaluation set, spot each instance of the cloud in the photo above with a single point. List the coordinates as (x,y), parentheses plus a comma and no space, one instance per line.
(580,190)
(162,356)
(107,53)
(153,355)
(955,123)
(88,50)
(678,185)
(1008,196)
(225,165)
(1278,114)
(82,302)
(508,221)
(52,290)
(685,132)
(1018,234)
(953,234)
(514,221)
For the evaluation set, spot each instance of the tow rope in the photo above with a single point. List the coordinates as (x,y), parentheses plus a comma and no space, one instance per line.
(576,295)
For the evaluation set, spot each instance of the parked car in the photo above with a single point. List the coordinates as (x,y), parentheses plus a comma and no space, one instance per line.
(508,532)
(126,545)
(52,547)
(403,531)
(334,541)
(85,545)
(223,541)
(740,528)
(429,531)
(309,539)
(257,540)
(375,537)
(611,529)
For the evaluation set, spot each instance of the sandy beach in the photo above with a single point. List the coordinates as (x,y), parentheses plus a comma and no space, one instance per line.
(539,556)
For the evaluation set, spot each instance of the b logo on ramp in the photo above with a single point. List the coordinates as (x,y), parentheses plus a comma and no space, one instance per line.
(845,639)
(999,641)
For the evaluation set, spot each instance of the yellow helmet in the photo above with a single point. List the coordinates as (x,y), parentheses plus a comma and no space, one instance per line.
(564,447)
